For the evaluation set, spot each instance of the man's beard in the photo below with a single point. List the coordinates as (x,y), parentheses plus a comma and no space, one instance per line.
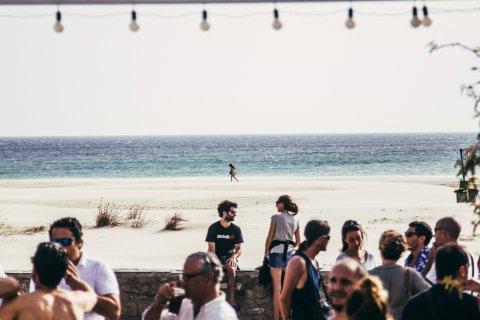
(337,307)
(229,218)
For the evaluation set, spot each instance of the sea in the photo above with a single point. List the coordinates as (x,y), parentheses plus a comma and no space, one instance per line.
(252,155)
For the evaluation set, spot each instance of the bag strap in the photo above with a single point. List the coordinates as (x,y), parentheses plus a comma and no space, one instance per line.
(322,284)
(407,283)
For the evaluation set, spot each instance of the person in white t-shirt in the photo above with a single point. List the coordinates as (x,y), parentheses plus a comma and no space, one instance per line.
(447,230)
(68,233)
(203,300)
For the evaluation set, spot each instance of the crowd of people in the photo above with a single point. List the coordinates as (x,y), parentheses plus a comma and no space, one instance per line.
(439,279)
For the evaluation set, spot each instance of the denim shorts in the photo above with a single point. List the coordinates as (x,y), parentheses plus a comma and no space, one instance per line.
(275,259)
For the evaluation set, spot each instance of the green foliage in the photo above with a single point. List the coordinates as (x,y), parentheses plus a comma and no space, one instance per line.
(472,153)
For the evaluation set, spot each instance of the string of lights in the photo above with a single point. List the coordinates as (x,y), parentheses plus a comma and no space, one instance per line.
(419,17)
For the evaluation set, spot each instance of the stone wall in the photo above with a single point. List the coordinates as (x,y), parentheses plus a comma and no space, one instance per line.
(138,289)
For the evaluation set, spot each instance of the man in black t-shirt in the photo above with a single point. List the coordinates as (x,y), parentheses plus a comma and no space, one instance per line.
(445,300)
(224,239)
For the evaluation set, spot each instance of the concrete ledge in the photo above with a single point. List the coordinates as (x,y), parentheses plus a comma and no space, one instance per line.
(138,287)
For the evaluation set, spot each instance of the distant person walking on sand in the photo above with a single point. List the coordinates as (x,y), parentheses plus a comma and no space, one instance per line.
(224,239)
(279,246)
(233,174)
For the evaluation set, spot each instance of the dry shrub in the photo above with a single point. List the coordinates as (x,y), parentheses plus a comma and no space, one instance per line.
(33,230)
(136,216)
(172,222)
(108,215)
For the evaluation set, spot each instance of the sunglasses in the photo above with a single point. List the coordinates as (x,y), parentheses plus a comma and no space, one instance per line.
(409,234)
(65,242)
(184,277)
(326,237)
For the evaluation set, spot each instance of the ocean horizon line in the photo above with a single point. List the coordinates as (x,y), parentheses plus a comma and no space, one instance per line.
(241,134)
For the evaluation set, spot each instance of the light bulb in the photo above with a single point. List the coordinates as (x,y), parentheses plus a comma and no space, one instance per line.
(350,23)
(58,27)
(277,25)
(427,22)
(415,22)
(133,24)
(205,26)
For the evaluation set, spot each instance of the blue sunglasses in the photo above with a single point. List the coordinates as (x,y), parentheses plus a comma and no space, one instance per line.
(65,242)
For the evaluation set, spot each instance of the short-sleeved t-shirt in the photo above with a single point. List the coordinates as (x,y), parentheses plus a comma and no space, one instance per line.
(285,227)
(225,239)
(439,303)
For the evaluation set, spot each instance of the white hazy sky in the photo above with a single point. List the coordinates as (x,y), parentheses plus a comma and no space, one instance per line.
(313,76)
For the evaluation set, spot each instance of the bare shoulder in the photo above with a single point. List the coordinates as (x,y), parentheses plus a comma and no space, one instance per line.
(297,262)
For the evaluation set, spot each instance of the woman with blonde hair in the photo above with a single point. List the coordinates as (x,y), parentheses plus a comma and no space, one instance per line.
(279,246)
(368,301)
(401,282)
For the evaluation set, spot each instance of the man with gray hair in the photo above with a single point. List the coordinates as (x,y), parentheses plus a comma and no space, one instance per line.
(447,230)
(342,280)
(202,273)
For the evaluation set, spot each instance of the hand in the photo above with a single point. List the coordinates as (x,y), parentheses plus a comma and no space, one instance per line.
(232,262)
(72,272)
(472,285)
(165,293)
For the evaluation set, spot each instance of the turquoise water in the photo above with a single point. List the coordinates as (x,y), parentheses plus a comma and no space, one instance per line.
(256,155)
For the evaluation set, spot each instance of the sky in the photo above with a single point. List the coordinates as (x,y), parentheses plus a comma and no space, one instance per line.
(240,77)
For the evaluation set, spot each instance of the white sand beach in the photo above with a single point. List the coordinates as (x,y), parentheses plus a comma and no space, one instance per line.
(378,203)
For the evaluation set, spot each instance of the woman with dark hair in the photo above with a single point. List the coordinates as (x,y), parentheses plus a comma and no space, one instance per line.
(233,174)
(279,246)
(352,244)
(301,288)
(402,283)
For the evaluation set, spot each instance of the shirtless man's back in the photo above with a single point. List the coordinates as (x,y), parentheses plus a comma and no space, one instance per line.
(52,305)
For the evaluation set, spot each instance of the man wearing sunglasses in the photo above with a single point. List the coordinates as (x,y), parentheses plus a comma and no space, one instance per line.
(447,231)
(224,239)
(203,300)
(342,280)
(418,237)
(50,264)
(67,232)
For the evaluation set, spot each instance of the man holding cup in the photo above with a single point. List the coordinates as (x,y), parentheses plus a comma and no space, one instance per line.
(201,277)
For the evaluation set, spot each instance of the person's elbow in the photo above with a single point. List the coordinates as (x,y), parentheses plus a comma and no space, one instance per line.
(115,312)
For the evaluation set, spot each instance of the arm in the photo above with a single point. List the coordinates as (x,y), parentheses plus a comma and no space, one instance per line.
(106,291)
(232,261)
(431,259)
(8,288)
(84,296)
(164,294)
(108,306)
(211,247)
(297,237)
(268,242)
(295,269)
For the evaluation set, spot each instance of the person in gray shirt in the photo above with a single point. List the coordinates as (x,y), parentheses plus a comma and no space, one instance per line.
(401,282)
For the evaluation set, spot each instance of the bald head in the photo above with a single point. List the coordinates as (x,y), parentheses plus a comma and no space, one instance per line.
(342,280)
(450,226)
